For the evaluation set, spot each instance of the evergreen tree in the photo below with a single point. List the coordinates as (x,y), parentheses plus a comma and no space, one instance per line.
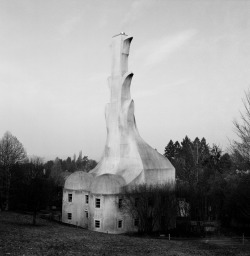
(68,164)
(56,171)
(177,149)
(79,161)
(170,151)
(226,163)
(187,156)
(196,149)
(203,151)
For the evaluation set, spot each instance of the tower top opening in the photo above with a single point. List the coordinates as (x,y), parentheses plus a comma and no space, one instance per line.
(121,33)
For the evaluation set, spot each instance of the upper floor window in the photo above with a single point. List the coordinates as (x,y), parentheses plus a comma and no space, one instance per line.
(86,199)
(70,197)
(97,203)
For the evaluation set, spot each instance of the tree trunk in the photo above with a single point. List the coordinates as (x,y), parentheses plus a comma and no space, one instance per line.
(7,198)
(34,217)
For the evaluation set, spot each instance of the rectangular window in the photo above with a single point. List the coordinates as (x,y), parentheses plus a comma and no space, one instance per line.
(97,223)
(119,223)
(120,203)
(97,203)
(86,214)
(136,222)
(69,216)
(86,199)
(70,197)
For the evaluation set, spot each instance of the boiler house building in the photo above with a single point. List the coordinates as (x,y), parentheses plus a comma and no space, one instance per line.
(92,200)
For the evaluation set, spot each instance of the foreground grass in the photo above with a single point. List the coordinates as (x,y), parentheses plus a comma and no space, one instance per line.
(19,237)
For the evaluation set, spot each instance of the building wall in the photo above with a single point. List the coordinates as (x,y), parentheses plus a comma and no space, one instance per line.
(108,214)
(77,207)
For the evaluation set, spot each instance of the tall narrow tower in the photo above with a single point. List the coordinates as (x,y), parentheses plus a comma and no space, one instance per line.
(89,199)
(126,153)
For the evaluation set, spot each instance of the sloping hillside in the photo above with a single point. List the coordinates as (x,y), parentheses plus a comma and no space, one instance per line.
(19,237)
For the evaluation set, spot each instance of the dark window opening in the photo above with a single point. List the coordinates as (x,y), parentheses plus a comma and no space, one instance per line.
(69,216)
(87,214)
(86,199)
(70,197)
(119,223)
(97,203)
(97,223)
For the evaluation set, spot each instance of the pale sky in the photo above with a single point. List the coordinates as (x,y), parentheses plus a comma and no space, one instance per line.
(190,59)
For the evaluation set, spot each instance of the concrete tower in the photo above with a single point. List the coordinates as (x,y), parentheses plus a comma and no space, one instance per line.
(91,199)
(126,153)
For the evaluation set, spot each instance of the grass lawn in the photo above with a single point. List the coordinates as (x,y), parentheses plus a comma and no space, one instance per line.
(19,237)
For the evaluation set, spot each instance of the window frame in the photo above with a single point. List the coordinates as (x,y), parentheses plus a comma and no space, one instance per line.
(70,197)
(119,223)
(99,225)
(98,203)
(86,199)
(69,215)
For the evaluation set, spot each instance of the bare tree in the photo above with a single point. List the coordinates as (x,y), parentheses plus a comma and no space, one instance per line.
(37,185)
(242,129)
(153,206)
(11,153)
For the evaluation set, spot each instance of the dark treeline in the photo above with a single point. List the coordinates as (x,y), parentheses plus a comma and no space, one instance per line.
(59,168)
(210,185)
(153,208)
(212,191)
(29,184)
(215,186)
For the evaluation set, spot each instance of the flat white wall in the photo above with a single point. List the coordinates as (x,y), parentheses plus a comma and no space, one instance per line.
(77,208)
(108,214)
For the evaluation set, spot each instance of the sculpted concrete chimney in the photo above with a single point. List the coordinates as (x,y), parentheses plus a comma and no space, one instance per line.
(127,159)
(126,154)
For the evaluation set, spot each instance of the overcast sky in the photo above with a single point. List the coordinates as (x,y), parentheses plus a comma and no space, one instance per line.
(190,59)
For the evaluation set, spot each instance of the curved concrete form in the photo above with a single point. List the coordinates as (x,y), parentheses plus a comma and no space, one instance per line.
(126,153)
(107,184)
(92,200)
(78,180)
